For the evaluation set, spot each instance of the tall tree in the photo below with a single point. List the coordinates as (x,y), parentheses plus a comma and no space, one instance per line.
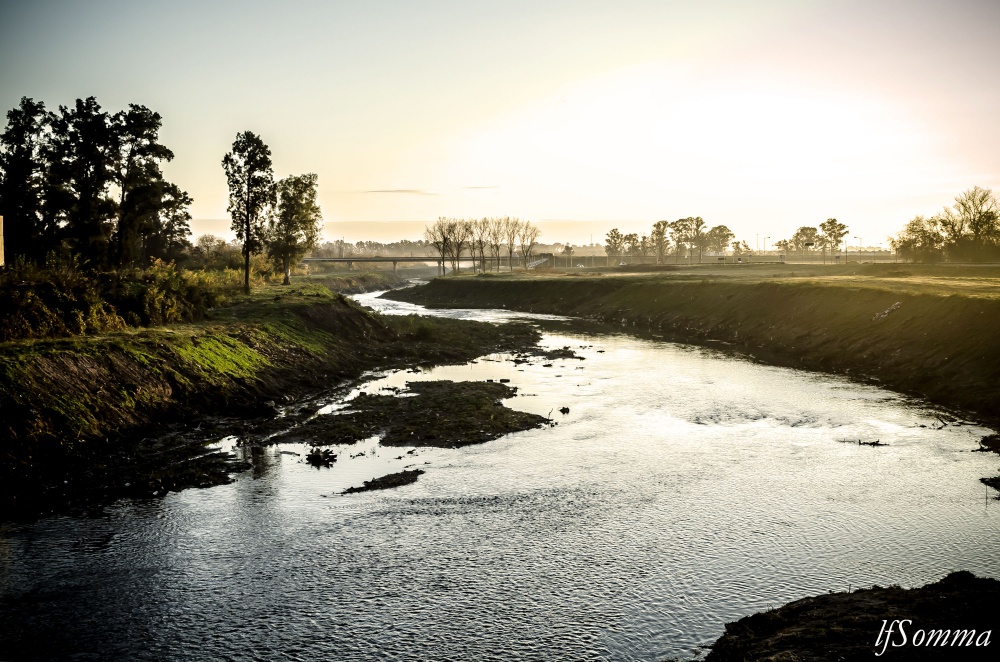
(439,236)
(22,181)
(251,193)
(166,235)
(698,234)
(527,237)
(680,232)
(804,238)
(82,155)
(294,230)
(614,243)
(137,174)
(719,237)
(659,238)
(834,230)
(511,228)
(919,241)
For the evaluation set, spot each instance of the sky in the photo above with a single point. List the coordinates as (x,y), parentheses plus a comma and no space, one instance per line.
(761,116)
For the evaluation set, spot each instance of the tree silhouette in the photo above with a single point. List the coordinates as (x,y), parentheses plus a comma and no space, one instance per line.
(251,193)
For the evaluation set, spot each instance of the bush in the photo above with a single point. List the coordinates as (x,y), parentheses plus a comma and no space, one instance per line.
(62,299)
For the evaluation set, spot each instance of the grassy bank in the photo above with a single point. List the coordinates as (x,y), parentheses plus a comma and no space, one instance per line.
(82,418)
(928,332)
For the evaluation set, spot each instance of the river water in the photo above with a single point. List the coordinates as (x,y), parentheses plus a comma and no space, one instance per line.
(685,488)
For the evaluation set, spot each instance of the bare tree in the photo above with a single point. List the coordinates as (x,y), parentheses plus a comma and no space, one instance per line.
(479,240)
(461,236)
(527,238)
(511,229)
(494,238)
(439,236)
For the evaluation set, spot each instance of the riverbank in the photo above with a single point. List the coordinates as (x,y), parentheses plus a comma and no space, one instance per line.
(920,331)
(954,618)
(88,419)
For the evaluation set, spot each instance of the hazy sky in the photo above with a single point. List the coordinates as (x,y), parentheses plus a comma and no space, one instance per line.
(763,116)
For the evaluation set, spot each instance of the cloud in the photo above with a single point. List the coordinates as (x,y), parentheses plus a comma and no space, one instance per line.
(479,187)
(411,191)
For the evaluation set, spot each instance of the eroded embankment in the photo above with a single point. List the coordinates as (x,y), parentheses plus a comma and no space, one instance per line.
(954,618)
(82,419)
(941,348)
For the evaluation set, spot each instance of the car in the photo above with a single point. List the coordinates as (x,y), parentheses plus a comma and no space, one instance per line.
(580,266)
(623,264)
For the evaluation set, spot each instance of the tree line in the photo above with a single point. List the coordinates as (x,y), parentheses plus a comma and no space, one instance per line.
(828,235)
(969,231)
(690,234)
(453,237)
(87,182)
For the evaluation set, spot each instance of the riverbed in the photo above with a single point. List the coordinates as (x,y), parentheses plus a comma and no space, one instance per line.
(683,488)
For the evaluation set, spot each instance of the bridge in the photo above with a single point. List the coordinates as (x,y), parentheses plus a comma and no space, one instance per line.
(396,259)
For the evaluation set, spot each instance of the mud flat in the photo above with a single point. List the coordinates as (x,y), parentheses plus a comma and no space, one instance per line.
(443,414)
(947,619)
(88,419)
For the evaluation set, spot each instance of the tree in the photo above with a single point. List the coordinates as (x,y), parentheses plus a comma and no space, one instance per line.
(804,238)
(614,243)
(697,234)
(680,232)
(81,156)
(921,240)
(167,235)
(972,226)
(438,236)
(460,233)
(527,237)
(659,238)
(137,174)
(251,193)
(495,238)
(23,169)
(294,230)
(631,241)
(719,237)
(511,228)
(834,230)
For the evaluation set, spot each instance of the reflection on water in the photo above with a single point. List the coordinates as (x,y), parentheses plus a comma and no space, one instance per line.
(682,490)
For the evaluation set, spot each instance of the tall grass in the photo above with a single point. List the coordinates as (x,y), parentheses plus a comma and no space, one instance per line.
(64,299)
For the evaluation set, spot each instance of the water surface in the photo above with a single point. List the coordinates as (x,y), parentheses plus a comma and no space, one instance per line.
(684,489)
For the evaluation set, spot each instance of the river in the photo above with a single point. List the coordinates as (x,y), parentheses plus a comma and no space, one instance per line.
(684,488)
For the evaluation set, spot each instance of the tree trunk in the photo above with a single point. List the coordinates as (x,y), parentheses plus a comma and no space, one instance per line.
(288,272)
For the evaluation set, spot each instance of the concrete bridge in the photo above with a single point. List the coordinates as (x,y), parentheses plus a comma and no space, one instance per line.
(395,259)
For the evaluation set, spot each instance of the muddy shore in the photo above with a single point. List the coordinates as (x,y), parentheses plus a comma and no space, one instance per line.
(940,345)
(846,626)
(87,420)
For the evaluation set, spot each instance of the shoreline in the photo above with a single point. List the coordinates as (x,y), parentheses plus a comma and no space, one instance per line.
(941,348)
(87,420)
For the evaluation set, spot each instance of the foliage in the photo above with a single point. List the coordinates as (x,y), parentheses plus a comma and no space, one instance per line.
(967,231)
(920,241)
(614,243)
(251,193)
(86,182)
(294,230)
(62,299)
